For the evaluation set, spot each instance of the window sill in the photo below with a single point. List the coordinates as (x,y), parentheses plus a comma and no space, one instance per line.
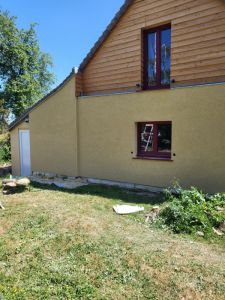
(153,158)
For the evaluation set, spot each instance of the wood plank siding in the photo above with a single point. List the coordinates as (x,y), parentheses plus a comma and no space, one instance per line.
(198,45)
(78,84)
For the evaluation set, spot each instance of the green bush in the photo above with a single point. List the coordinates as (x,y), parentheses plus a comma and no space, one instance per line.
(190,211)
(5,149)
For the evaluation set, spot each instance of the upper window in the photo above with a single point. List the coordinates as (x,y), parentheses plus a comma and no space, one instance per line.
(154,139)
(157,57)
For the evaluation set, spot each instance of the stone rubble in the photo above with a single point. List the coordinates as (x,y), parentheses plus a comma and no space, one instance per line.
(200,233)
(60,181)
(12,185)
(153,214)
(217,232)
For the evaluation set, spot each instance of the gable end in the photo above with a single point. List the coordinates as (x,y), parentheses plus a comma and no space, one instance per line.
(105,34)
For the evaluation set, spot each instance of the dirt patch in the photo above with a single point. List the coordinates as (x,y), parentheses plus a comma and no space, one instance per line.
(2,231)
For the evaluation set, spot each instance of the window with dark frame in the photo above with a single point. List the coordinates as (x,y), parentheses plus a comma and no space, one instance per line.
(154,139)
(157,57)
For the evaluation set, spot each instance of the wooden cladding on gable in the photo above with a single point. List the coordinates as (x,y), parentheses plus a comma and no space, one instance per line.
(198,46)
(79,84)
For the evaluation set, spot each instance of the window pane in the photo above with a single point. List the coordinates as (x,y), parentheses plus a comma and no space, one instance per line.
(146,143)
(151,59)
(164,137)
(165,56)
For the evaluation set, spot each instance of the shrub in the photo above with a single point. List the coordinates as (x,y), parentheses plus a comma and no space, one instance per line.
(190,210)
(5,149)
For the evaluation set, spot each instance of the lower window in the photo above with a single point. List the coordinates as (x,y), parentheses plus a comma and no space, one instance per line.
(154,139)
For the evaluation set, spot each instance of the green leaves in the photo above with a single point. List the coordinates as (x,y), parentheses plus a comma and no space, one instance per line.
(25,74)
(191,210)
(5,148)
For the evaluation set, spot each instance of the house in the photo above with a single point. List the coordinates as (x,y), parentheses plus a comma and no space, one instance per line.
(147,104)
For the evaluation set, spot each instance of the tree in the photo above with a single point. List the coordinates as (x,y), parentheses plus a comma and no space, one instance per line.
(25,74)
(3,117)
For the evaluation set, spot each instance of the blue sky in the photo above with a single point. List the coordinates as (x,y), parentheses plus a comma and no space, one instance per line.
(66,29)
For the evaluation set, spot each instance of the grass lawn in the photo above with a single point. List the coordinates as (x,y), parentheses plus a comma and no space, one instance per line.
(56,244)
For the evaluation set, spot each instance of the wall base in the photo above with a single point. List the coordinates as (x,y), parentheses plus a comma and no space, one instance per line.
(126,185)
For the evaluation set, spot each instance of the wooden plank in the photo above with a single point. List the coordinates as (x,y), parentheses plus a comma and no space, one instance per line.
(120,78)
(177,28)
(203,80)
(116,73)
(203,38)
(167,7)
(201,45)
(114,58)
(205,75)
(103,87)
(210,31)
(198,52)
(111,91)
(203,70)
(187,10)
(197,58)
(199,25)
(118,51)
(147,9)
(113,69)
(153,17)
(113,64)
(133,36)
(108,64)
(197,64)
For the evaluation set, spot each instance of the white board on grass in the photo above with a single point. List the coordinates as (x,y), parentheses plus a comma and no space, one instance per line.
(127,209)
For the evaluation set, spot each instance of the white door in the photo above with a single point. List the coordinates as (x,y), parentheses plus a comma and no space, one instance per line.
(24,137)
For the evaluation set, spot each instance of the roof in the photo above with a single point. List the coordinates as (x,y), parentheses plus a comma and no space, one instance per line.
(21,118)
(105,34)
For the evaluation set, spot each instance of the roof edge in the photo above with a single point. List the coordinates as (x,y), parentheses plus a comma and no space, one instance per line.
(105,34)
(21,118)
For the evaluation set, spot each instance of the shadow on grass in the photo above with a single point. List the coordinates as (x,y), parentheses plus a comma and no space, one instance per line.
(16,190)
(110,192)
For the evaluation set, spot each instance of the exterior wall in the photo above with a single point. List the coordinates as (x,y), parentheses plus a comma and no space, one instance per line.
(198,45)
(15,147)
(53,133)
(107,137)
(105,145)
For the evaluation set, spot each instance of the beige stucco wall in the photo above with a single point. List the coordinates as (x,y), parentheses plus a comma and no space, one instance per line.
(53,133)
(15,148)
(107,137)
(53,138)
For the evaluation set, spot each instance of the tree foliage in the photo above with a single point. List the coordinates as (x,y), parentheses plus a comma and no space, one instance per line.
(25,74)
(3,117)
